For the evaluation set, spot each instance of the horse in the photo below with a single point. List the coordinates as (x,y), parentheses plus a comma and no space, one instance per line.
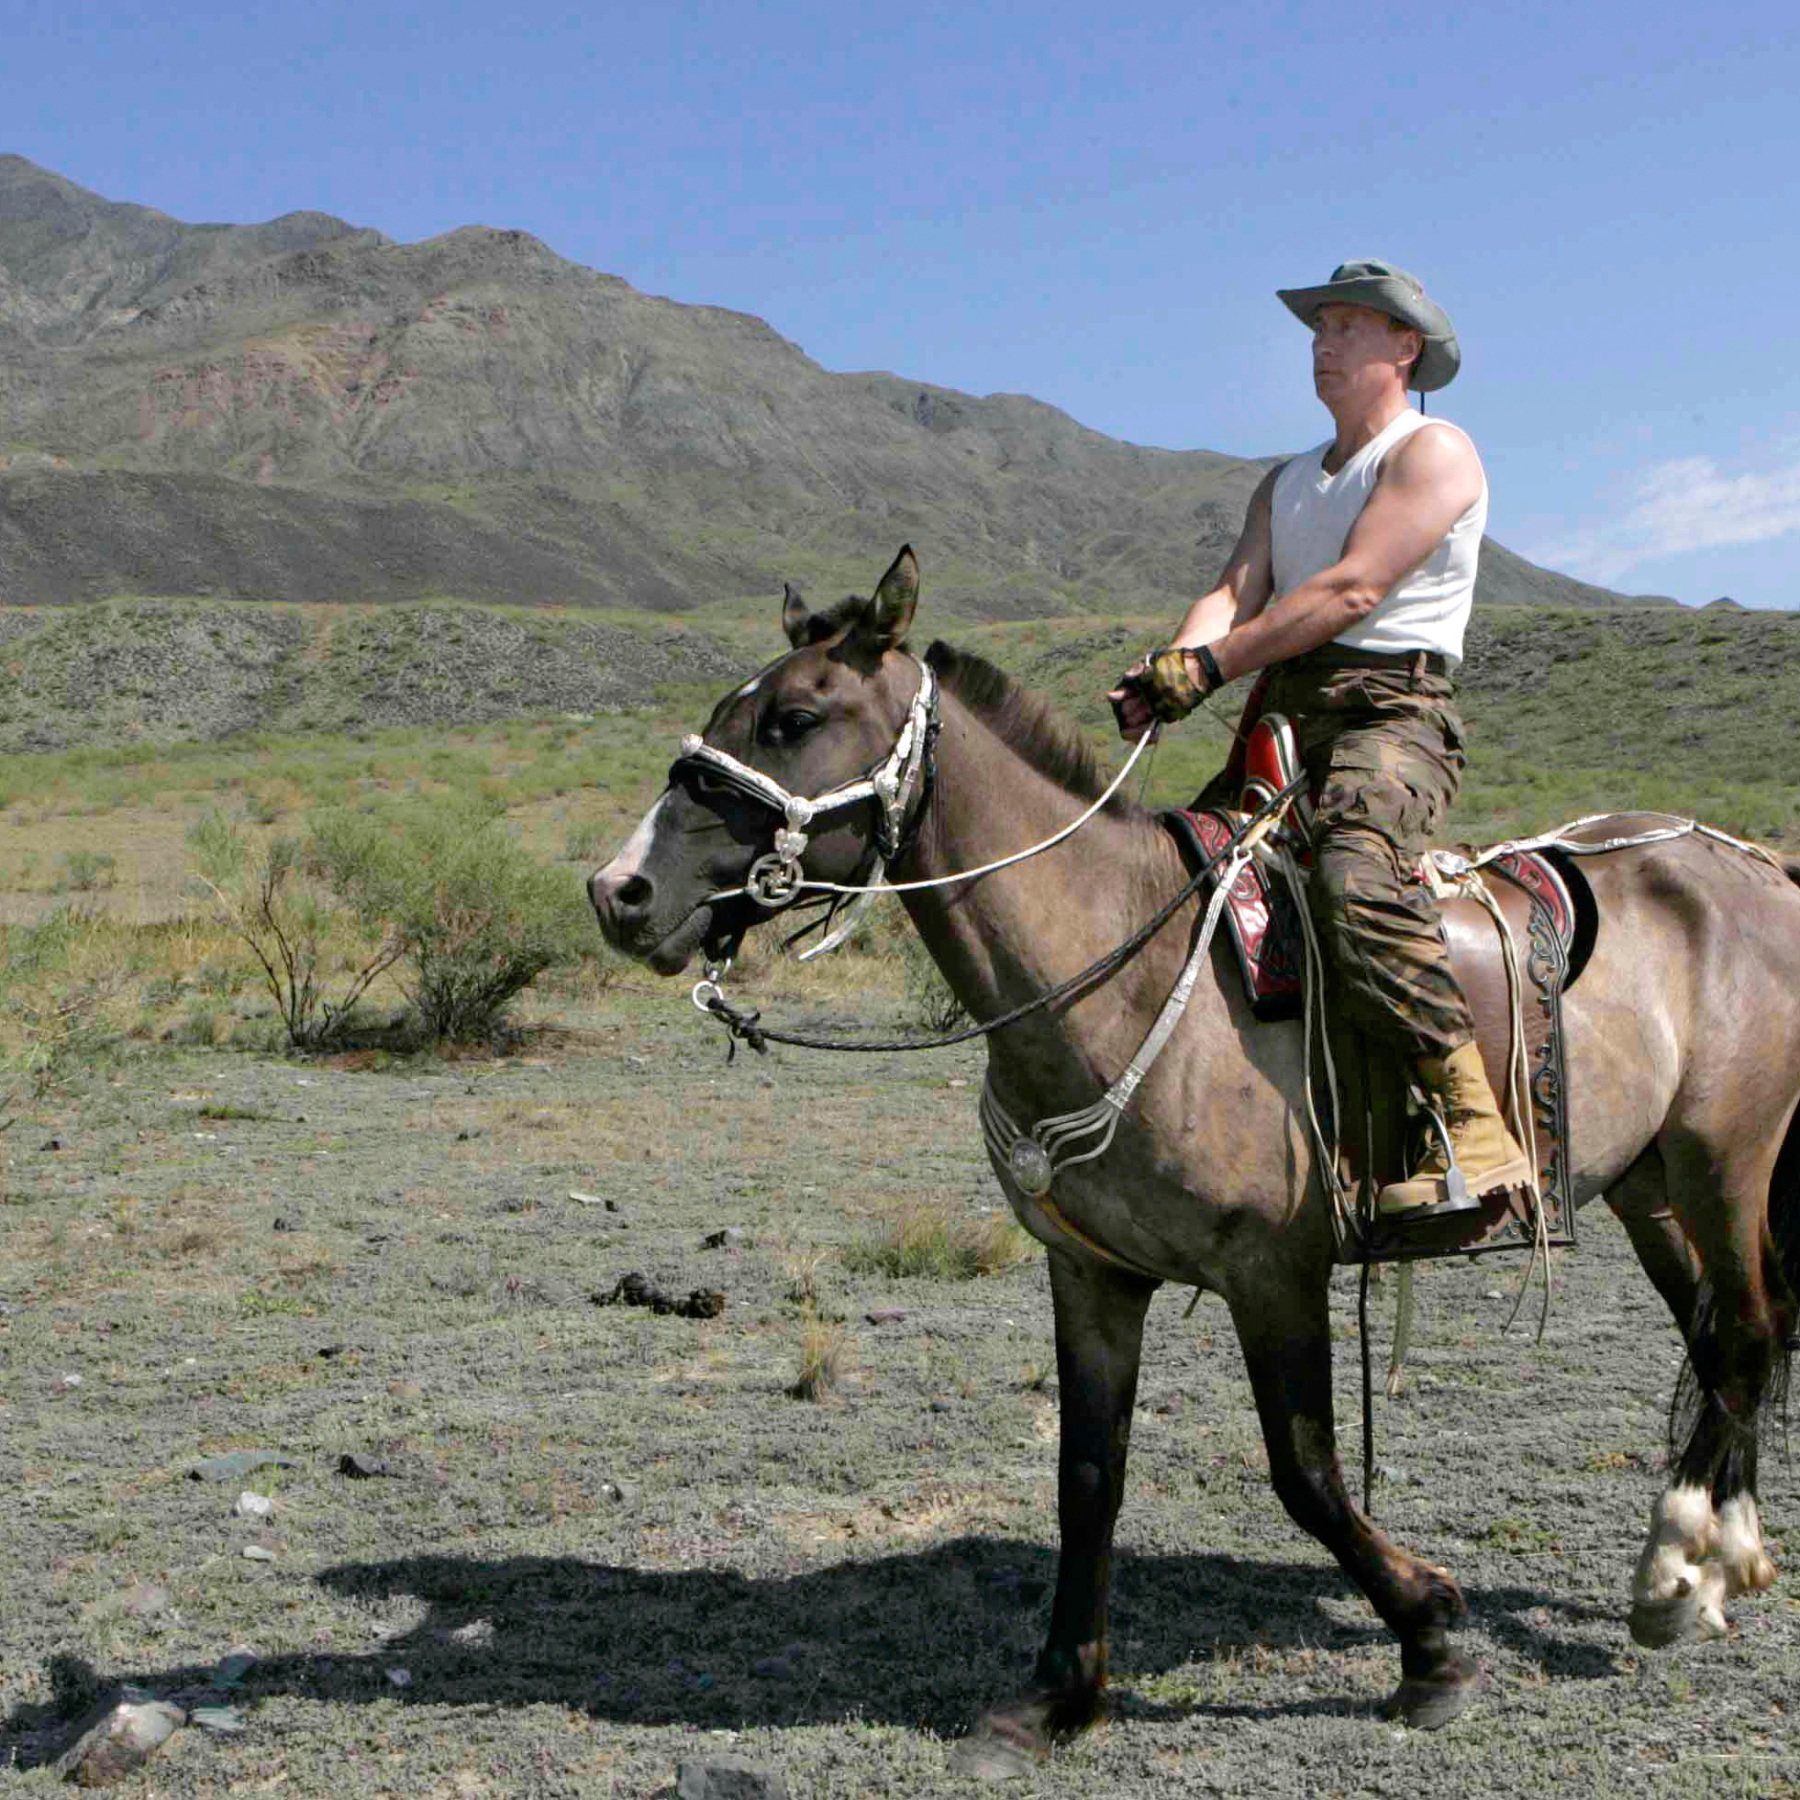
(1683,1050)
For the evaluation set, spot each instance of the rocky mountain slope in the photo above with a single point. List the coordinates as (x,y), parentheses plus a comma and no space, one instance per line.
(305,410)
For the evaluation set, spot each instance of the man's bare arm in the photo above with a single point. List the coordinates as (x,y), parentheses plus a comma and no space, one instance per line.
(1425,486)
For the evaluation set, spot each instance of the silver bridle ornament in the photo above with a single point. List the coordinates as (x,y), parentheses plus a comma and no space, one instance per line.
(777,878)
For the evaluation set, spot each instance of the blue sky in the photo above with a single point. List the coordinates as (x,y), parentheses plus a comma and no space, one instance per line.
(1090,205)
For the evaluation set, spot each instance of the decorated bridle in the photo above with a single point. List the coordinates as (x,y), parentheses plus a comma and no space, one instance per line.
(777,878)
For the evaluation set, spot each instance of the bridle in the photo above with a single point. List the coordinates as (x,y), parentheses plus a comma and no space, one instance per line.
(776,879)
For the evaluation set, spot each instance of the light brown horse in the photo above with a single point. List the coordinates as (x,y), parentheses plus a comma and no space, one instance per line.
(1684,1066)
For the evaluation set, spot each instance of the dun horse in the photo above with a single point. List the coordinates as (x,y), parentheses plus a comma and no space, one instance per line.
(1683,1052)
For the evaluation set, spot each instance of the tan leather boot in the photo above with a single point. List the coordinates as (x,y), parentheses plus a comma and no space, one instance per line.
(1485,1152)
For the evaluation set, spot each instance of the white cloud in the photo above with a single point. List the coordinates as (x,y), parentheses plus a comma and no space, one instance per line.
(1687,504)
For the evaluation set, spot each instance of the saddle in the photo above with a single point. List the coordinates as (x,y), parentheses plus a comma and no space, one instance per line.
(1547,910)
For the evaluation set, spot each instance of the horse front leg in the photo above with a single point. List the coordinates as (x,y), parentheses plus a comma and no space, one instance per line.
(1286,1338)
(1099,1340)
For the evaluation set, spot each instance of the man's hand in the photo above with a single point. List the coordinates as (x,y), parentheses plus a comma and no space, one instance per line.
(1166,685)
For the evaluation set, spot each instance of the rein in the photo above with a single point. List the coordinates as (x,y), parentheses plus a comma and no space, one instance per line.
(746,1026)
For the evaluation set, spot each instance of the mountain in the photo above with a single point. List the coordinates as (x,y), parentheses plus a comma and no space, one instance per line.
(306,410)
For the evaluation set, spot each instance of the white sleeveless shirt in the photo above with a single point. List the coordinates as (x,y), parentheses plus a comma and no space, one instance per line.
(1311,514)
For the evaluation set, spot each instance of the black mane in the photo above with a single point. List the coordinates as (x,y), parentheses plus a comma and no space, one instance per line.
(1025,722)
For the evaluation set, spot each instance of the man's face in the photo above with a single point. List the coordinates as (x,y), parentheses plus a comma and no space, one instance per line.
(1355,350)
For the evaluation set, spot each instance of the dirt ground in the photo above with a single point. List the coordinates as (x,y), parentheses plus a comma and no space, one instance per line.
(609,1541)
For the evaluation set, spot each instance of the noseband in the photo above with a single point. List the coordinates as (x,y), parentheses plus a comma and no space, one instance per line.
(777,879)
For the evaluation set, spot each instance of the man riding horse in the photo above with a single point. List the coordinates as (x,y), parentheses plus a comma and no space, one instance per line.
(1351,586)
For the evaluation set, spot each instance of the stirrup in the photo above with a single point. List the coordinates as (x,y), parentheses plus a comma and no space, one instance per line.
(1457,1197)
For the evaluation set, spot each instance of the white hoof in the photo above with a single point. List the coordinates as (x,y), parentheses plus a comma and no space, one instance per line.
(1693,1614)
(1678,1591)
(1748,1566)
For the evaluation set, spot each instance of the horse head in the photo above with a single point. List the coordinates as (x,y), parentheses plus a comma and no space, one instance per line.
(778,771)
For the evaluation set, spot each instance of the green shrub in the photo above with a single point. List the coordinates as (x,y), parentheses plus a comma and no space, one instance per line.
(928,1239)
(478,917)
(275,903)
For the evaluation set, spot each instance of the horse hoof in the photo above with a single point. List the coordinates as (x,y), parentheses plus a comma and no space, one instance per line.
(1427,1702)
(1691,1617)
(996,1750)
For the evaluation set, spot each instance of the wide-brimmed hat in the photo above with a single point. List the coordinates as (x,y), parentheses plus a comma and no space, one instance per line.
(1387,289)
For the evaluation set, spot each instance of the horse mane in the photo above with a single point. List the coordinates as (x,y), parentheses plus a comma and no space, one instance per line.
(1026,723)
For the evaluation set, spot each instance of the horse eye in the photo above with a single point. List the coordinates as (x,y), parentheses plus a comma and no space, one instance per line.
(795,724)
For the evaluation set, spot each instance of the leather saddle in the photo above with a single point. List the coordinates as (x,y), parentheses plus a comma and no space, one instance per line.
(1548,912)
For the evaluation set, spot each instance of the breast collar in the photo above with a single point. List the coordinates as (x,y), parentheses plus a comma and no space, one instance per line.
(895,786)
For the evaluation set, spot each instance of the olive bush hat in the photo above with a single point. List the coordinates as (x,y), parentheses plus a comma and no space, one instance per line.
(1387,289)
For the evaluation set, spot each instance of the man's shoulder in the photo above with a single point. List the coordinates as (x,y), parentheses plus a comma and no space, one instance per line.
(1434,447)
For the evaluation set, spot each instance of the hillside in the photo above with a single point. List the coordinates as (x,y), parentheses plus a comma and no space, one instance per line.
(306,411)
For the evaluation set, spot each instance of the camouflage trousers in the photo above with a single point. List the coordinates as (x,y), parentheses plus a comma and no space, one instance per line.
(1382,741)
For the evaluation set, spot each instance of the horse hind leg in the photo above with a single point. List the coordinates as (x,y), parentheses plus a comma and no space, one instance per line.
(1705,1542)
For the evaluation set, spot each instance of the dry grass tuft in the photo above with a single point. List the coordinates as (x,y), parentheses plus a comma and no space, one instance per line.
(826,1355)
(800,1271)
(930,1239)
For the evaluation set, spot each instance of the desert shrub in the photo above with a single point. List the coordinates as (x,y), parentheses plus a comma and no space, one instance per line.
(277,904)
(930,1240)
(58,980)
(85,870)
(477,917)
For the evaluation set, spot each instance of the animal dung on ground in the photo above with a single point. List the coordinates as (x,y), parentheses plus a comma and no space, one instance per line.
(887,1316)
(119,1737)
(733,1237)
(639,1290)
(361,1467)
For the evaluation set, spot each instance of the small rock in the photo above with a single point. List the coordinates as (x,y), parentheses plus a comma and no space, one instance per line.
(1392,1474)
(254,1506)
(328,1351)
(728,1778)
(478,1633)
(731,1238)
(145,1601)
(51,1144)
(618,1492)
(1493,1294)
(119,1737)
(233,1666)
(361,1467)
(469,1134)
(1172,1403)
(582,1199)
(238,1463)
(889,1316)
(612,1206)
(282,1223)
(957,1081)
(258,1553)
(938,1406)
(71,1381)
(400,1678)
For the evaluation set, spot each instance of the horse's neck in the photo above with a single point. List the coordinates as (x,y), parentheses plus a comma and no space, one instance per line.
(1004,939)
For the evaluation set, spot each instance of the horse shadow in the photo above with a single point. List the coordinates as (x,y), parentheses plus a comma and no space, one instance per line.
(921,1638)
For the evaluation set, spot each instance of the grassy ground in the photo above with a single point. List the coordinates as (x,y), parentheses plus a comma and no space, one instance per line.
(615,1540)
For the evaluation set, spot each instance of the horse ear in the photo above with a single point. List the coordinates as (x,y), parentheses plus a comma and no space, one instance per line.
(890,613)
(794,616)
